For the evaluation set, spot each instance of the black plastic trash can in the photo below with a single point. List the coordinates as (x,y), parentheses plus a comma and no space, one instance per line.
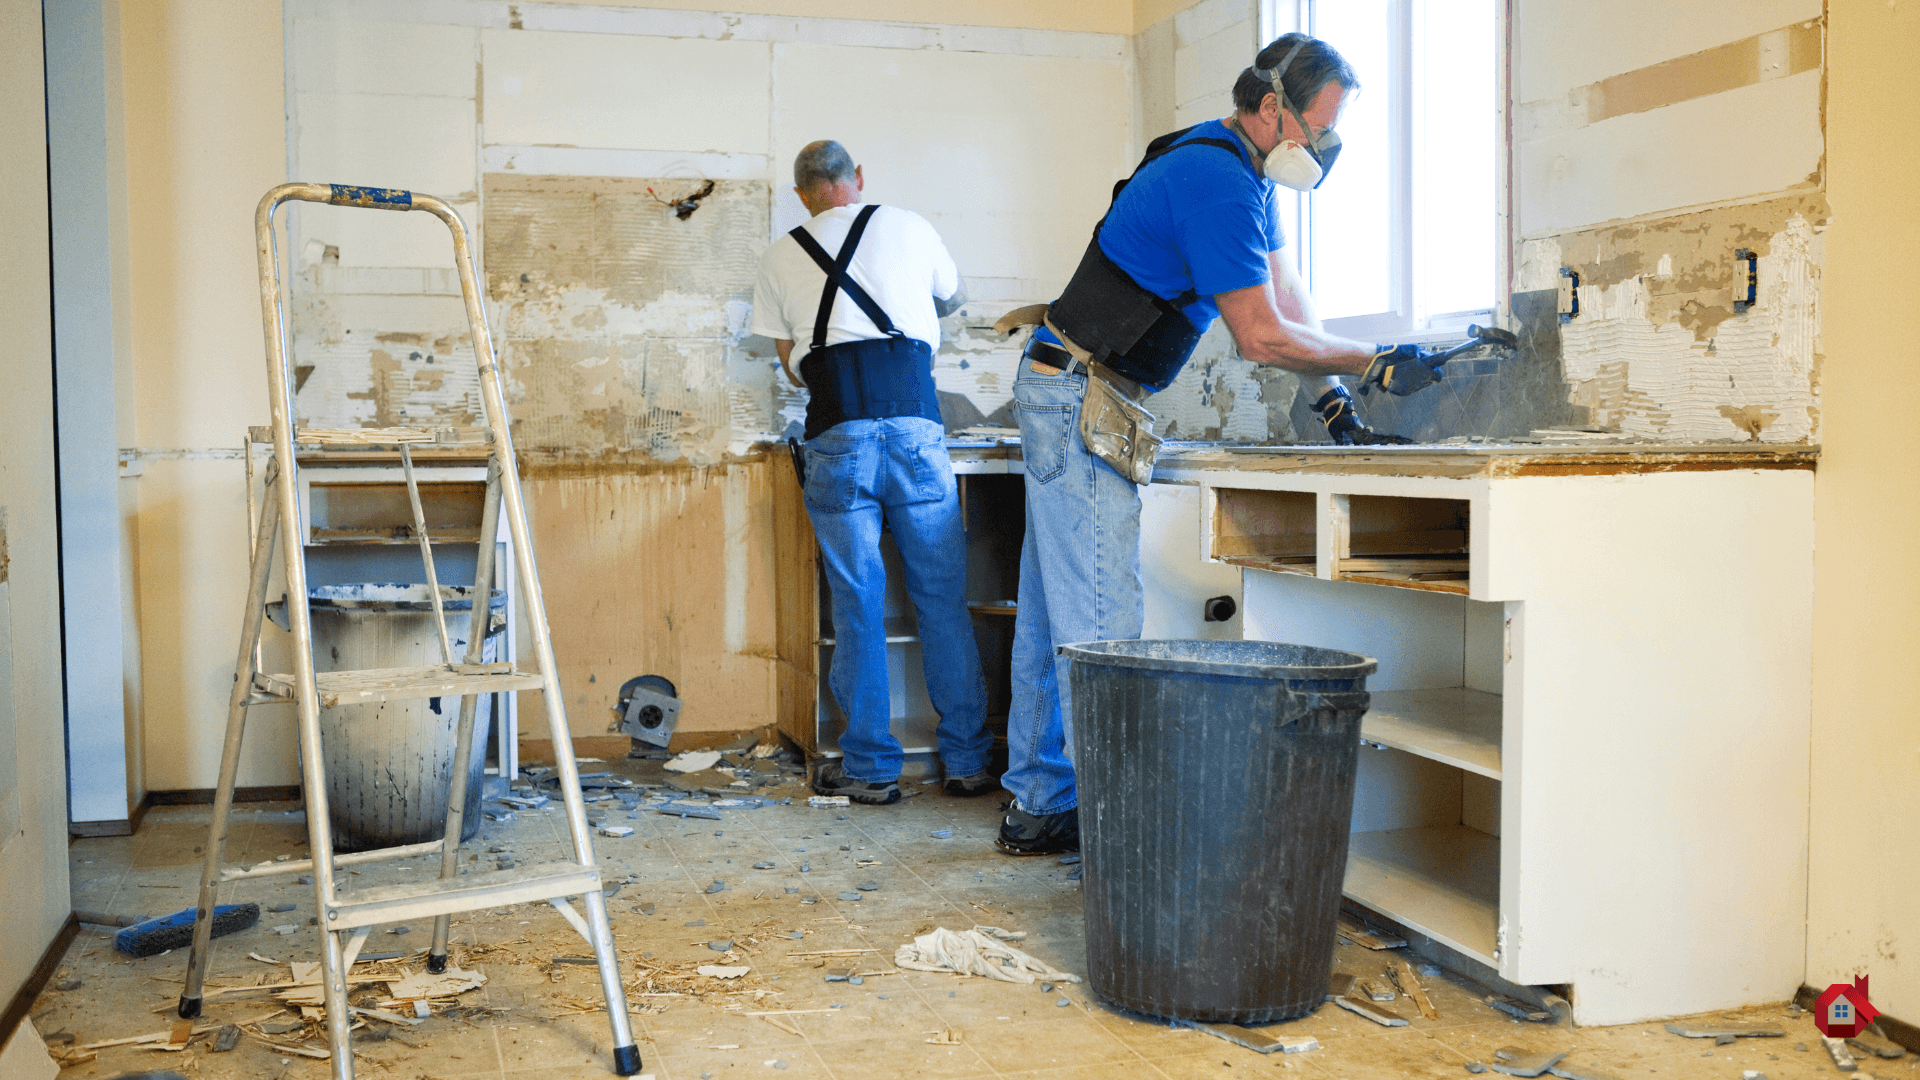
(1216,791)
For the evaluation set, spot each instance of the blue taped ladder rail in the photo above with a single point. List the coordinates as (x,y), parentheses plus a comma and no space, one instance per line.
(371,197)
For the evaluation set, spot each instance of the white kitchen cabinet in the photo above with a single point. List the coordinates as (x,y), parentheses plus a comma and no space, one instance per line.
(1588,748)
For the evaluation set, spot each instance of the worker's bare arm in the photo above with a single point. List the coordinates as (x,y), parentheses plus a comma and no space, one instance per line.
(785,348)
(1264,337)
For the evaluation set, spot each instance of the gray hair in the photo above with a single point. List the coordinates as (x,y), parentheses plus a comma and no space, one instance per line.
(823,162)
(1313,68)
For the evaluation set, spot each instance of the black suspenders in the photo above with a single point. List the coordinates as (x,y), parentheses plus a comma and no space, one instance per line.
(838,278)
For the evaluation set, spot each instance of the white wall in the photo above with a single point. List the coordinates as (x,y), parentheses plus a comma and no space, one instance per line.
(205,139)
(1863,896)
(33,822)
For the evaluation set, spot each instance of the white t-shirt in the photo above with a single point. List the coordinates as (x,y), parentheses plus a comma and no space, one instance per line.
(901,262)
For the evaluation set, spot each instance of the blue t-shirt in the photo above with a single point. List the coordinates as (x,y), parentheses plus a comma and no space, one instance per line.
(1197,217)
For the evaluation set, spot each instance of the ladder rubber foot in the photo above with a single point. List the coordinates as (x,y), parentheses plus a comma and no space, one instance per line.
(436,963)
(189,1007)
(626,1060)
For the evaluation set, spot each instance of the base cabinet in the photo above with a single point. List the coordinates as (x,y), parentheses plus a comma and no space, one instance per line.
(1586,758)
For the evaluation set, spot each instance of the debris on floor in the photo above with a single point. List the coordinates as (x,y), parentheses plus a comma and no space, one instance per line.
(1354,1003)
(1257,1041)
(1353,931)
(972,952)
(1842,1057)
(1872,1042)
(829,800)
(945,1037)
(723,971)
(693,761)
(1409,984)
(1519,1010)
(1720,1029)
(1514,1061)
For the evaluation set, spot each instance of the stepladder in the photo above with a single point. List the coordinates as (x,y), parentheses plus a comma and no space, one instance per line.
(346,914)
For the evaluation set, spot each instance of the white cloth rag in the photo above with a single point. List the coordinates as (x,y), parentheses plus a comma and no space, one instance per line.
(981,951)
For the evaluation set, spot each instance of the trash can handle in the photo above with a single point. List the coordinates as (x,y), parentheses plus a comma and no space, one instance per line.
(1302,704)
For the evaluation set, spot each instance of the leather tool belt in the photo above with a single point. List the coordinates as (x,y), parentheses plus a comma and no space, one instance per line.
(1114,426)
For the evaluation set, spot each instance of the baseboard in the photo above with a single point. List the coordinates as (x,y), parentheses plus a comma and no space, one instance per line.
(202,796)
(1896,1030)
(22,1001)
(90,829)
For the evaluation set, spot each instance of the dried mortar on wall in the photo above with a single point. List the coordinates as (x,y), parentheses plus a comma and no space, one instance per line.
(1658,351)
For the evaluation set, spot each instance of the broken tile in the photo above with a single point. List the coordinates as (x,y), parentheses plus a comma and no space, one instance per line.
(1371,1011)
(1514,1061)
(722,945)
(1842,1058)
(1870,1042)
(1256,1041)
(1719,1029)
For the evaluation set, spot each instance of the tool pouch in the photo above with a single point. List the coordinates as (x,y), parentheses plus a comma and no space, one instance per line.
(1117,430)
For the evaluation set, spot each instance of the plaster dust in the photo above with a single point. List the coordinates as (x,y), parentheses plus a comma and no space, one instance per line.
(624,326)
(1657,350)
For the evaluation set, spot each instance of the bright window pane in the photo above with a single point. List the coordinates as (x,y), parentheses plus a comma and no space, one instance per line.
(1353,210)
(1454,154)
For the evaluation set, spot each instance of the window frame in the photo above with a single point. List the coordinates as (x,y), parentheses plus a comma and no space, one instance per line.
(1406,321)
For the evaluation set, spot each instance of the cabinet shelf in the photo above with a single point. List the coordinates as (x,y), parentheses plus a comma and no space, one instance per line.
(1456,726)
(1442,881)
(917,735)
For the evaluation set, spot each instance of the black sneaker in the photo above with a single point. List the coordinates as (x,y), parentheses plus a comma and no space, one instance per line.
(966,787)
(1022,833)
(830,779)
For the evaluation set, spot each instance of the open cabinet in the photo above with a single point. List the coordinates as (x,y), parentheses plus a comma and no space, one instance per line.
(993,508)
(1585,763)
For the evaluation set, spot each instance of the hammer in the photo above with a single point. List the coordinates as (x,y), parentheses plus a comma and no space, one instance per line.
(1477,336)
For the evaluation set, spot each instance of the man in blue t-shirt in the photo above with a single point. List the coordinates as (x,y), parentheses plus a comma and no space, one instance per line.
(1192,236)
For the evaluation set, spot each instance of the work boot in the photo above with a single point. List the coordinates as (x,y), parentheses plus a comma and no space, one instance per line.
(830,779)
(1022,833)
(966,787)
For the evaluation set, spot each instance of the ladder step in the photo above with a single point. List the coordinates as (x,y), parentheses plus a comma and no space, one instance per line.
(398,684)
(471,892)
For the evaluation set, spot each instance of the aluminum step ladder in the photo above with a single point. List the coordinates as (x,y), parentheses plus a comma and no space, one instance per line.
(346,919)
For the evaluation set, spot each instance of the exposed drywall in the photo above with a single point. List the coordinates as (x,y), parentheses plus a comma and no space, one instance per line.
(624,325)
(1212,42)
(1657,350)
(1626,122)
(1863,918)
(33,821)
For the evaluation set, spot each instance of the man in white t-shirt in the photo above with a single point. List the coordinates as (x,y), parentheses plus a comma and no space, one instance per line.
(853,301)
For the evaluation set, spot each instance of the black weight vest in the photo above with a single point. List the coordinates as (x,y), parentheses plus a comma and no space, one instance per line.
(1140,335)
(861,380)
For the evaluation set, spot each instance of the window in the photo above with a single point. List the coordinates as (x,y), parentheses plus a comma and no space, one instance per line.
(1402,242)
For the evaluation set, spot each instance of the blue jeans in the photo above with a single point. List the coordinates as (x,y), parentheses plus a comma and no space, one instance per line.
(858,472)
(1079,581)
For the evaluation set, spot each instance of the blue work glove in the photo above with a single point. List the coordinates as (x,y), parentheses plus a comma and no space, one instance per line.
(1402,369)
(1335,409)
